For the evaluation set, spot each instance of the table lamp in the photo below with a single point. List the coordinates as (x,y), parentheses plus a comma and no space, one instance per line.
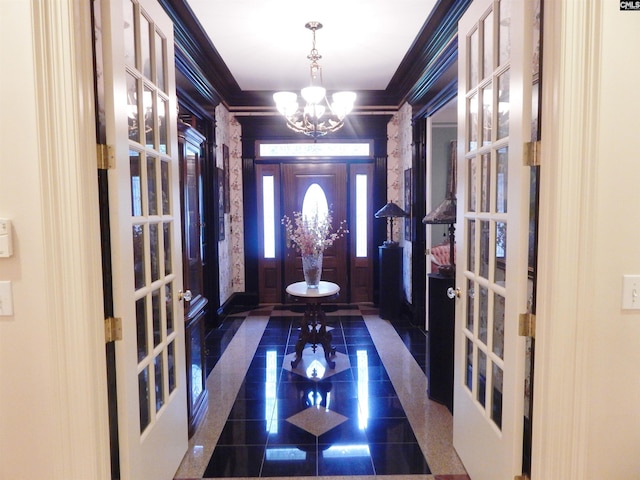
(391,211)
(445,213)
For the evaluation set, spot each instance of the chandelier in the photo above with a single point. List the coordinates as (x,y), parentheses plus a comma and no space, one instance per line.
(317,117)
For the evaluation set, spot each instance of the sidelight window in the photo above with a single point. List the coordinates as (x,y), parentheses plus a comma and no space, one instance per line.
(269,220)
(361,215)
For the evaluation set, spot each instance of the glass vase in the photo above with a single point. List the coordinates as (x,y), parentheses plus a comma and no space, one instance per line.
(312,269)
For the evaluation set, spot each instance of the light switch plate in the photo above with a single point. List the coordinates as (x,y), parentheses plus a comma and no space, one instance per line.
(6,299)
(631,292)
(5,226)
(6,247)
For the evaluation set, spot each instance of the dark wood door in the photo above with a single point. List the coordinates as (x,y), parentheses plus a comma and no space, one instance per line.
(332,178)
(193,242)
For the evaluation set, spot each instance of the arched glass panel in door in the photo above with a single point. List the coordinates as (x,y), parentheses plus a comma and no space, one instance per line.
(314,205)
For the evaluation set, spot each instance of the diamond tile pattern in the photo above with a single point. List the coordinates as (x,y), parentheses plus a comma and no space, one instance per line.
(313,365)
(317,420)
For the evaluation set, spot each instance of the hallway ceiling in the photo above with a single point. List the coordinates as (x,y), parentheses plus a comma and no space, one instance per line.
(265,44)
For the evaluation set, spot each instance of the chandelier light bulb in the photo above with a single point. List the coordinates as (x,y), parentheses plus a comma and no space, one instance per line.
(313,94)
(286,103)
(343,103)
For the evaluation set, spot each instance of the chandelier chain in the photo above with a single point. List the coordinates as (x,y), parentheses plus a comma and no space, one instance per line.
(314,55)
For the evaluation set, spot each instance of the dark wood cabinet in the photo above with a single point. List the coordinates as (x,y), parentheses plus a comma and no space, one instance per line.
(390,297)
(193,241)
(441,337)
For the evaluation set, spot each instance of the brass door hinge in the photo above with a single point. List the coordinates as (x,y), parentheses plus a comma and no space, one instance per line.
(106,156)
(527,325)
(521,477)
(112,329)
(531,154)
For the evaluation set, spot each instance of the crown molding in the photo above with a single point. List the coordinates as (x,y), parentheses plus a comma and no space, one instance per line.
(428,66)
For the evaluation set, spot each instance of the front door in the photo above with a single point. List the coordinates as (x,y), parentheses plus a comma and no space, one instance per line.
(492,236)
(332,179)
(144,199)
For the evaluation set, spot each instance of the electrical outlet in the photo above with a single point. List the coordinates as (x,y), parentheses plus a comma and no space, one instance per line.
(631,292)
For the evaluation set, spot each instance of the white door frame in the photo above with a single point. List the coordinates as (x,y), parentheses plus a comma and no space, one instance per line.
(72,354)
(565,295)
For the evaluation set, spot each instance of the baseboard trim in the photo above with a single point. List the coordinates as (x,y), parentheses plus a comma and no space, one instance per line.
(237,302)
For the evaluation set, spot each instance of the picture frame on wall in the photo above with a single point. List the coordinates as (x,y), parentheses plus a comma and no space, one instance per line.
(227,173)
(408,220)
(221,194)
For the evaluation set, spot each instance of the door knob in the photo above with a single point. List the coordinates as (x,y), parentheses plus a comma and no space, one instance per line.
(186,295)
(453,293)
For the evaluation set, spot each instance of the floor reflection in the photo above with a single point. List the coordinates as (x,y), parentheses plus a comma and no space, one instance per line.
(313,420)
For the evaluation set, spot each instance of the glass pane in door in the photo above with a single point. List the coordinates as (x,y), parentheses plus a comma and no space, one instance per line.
(152,187)
(487,39)
(489,373)
(486,207)
(144,223)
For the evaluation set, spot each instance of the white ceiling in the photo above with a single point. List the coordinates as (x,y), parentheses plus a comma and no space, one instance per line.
(265,44)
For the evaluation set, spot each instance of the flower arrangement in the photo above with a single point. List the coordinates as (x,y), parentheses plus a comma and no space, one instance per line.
(311,234)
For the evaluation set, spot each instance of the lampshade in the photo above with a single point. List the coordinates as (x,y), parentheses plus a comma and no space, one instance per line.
(286,102)
(445,213)
(391,210)
(313,94)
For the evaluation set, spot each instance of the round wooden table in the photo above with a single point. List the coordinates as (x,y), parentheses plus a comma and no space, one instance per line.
(313,329)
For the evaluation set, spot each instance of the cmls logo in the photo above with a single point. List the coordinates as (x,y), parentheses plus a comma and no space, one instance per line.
(629,4)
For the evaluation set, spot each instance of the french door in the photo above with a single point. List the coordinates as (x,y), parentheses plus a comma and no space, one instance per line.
(492,229)
(144,210)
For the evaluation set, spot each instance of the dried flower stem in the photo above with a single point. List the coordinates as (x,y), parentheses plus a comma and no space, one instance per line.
(311,235)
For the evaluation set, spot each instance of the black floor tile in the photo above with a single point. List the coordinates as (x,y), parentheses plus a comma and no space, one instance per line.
(398,459)
(349,432)
(285,433)
(373,360)
(385,407)
(252,409)
(244,432)
(235,461)
(251,390)
(290,461)
(257,371)
(382,388)
(344,459)
(372,373)
(389,430)
(258,440)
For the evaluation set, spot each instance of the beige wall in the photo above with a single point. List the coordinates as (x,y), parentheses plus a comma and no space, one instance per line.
(26,378)
(614,353)
(52,374)
(587,387)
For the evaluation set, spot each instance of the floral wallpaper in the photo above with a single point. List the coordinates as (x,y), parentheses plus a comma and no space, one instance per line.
(231,249)
(399,152)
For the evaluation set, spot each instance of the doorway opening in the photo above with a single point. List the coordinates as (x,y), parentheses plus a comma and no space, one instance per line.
(347,188)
